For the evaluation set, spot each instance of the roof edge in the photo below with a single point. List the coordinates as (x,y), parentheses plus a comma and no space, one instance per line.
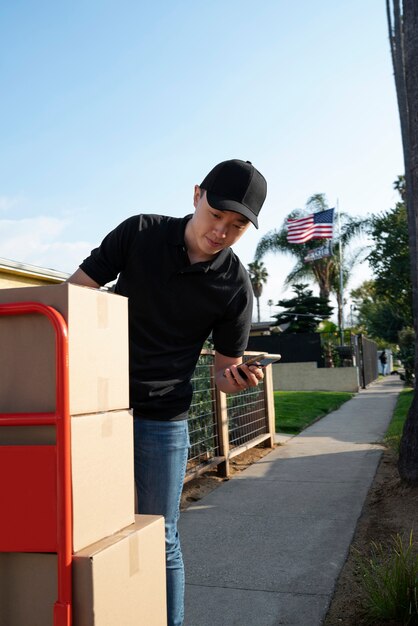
(25,269)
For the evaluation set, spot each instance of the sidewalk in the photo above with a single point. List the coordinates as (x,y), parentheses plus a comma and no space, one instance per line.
(266,547)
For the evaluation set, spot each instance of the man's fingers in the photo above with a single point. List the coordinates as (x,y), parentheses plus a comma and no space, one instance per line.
(251,378)
(237,378)
(255,375)
(257,371)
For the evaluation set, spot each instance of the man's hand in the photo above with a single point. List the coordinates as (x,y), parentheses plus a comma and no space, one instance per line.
(228,377)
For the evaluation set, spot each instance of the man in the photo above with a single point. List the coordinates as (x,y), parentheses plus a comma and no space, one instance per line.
(183,283)
(384,362)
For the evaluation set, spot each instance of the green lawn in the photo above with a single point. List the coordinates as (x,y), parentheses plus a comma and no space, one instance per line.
(295,410)
(394,432)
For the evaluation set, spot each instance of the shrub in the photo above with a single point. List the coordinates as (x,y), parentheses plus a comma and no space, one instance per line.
(390,581)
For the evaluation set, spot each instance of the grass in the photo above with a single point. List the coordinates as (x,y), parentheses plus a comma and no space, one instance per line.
(295,410)
(394,432)
(390,579)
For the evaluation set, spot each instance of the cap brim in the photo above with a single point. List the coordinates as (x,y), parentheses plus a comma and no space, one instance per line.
(224,204)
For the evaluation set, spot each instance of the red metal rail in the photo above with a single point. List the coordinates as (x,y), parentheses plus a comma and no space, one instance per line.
(42,473)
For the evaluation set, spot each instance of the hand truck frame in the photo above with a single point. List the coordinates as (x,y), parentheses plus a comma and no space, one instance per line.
(38,477)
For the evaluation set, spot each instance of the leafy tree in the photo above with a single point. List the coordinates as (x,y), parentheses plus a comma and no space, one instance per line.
(328,327)
(390,262)
(384,305)
(258,276)
(324,272)
(400,186)
(304,312)
(377,317)
(403,28)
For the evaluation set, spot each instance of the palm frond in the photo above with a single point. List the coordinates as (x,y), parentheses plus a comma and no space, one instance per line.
(317,202)
(298,272)
(352,227)
(273,241)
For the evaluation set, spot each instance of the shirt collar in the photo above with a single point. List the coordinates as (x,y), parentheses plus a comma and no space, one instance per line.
(175,236)
(176,230)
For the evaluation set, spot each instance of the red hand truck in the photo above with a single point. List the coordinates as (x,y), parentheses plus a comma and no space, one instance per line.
(37,478)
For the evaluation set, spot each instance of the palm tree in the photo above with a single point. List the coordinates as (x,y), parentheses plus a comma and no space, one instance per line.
(404,49)
(258,276)
(324,272)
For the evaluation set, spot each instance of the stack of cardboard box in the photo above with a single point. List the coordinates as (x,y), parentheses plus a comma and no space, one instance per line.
(119,558)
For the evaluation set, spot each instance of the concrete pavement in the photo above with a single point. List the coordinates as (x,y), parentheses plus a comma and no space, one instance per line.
(266,548)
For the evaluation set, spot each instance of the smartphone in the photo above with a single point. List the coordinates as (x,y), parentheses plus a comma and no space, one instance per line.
(261,360)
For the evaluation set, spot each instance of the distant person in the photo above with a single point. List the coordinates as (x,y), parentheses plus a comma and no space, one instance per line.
(384,362)
(183,282)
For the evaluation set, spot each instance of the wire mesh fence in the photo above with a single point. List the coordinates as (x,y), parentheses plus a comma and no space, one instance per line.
(203,427)
(247,417)
(219,427)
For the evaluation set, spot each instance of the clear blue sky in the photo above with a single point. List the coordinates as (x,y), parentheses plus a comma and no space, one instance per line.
(109,109)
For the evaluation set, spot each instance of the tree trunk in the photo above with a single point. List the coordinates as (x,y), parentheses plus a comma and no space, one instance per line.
(322,278)
(340,310)
(258,309)
(404,47)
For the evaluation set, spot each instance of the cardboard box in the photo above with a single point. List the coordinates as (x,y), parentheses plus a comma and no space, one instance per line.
(98,350)
(102,471)
(125,576)
(28,589)
(102,459)
(120,580)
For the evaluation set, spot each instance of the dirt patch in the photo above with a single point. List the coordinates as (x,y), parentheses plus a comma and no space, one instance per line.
(199,487)
(390,508)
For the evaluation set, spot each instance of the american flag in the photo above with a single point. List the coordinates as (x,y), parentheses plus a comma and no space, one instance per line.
(314,226)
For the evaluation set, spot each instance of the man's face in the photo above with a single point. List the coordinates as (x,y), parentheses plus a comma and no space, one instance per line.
(210,230)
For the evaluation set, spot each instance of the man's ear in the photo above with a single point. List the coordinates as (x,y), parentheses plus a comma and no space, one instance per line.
(197,195)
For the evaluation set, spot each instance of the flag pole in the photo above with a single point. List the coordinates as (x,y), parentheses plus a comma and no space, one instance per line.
(341,277)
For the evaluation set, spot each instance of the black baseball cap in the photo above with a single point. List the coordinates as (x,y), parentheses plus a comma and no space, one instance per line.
(236,186)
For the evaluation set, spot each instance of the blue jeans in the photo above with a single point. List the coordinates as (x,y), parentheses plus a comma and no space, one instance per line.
(160,457)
